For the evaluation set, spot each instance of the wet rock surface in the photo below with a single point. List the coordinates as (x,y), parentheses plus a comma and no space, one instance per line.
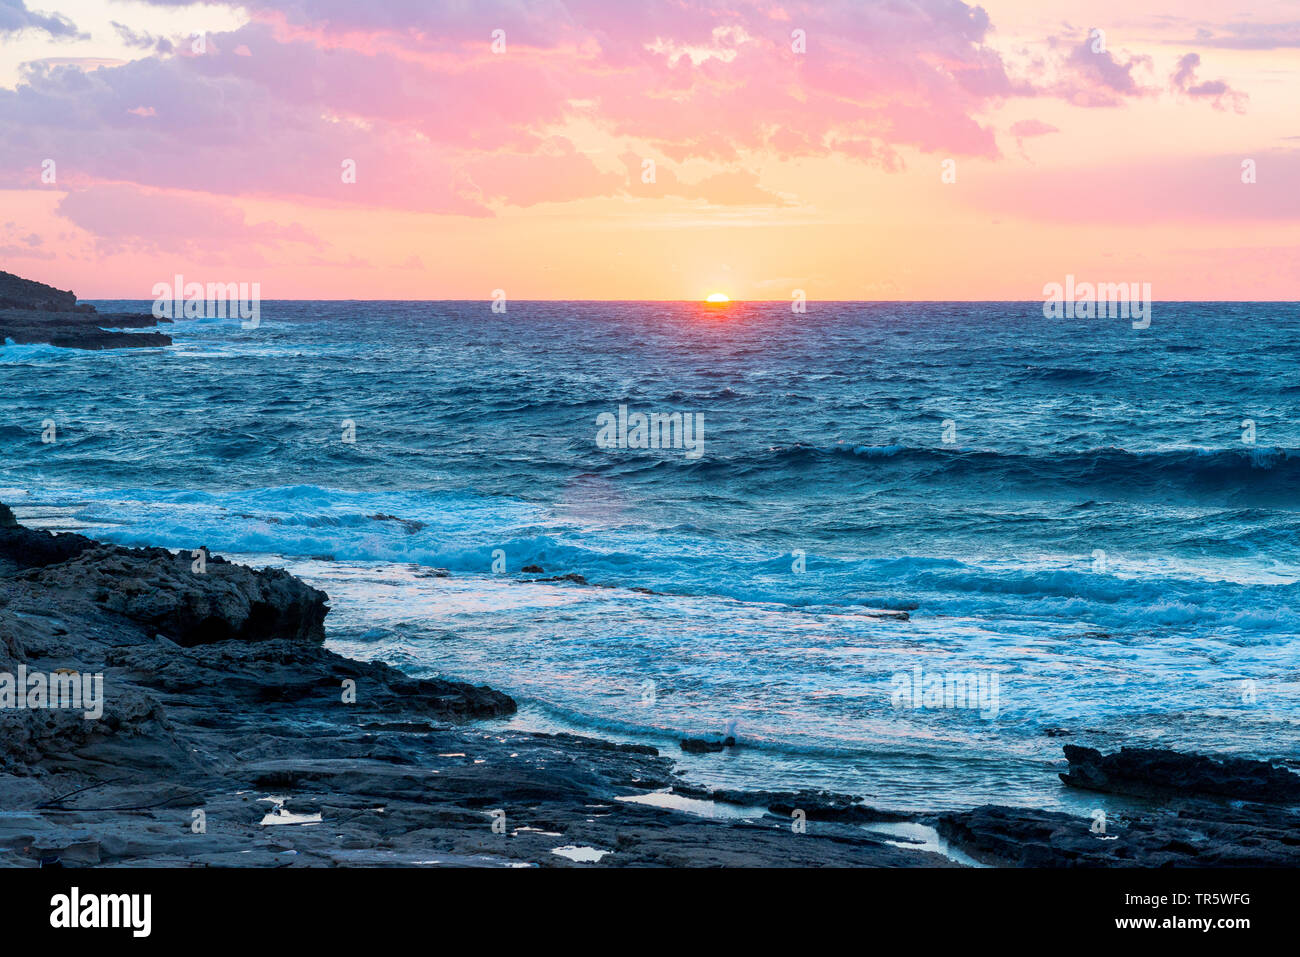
(76,330)
(1154,773)
(1192,835)
(705,746)
(1208,812)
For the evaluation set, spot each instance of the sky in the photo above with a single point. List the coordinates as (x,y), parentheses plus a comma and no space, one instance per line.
(658,149)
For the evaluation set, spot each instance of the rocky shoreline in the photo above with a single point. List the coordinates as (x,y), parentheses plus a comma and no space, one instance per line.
(32,313)
(231,736)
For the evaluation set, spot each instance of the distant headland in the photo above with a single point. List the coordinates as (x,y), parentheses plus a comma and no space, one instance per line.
(32,313)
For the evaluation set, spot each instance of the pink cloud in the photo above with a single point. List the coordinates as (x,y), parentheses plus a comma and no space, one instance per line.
(555,172)
(16,244)
(1181,189)
(1028,129)
(1096,77)
(127,218)
(415,91)
(729,188)
(410,95)
(1024,129)
(1250,36)
(1217,92)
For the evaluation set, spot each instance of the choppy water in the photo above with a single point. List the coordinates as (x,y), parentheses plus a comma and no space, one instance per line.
(1096,532)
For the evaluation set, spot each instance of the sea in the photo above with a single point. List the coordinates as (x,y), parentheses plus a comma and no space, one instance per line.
(906,550)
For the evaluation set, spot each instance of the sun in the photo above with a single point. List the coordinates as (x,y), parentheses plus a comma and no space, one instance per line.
(717,297)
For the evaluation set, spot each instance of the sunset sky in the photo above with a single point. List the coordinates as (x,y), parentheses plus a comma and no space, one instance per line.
(775,170)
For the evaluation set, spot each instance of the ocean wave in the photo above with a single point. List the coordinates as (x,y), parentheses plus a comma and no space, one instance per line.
(1061,373)
(1245,469)
(466,532)
(750,738)
(12,352)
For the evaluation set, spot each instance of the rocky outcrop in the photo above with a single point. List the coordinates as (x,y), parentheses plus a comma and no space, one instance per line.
(19,293)
(1193,836)
(1198,812)
(74,330)
(191,598)
(186,598)
(32,313)
(140,617)
(1148,772)
(22,548)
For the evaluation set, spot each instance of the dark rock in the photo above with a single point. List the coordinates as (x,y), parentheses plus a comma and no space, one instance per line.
(1150,772)
(72,330)
(893,613)
(1026,837)
(603,745)
(573,577)
(24,548)
(19,293)
(816,805)
(1057,733)
(32,313)
(411,525)
(701,746)
(532,570)
(7,519)
(1201,835)
(159,589)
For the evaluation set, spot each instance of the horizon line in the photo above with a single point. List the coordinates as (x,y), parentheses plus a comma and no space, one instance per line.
(702,302)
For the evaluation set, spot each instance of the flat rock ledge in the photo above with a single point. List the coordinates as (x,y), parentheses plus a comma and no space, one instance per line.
(1205,812)
(1155,773)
